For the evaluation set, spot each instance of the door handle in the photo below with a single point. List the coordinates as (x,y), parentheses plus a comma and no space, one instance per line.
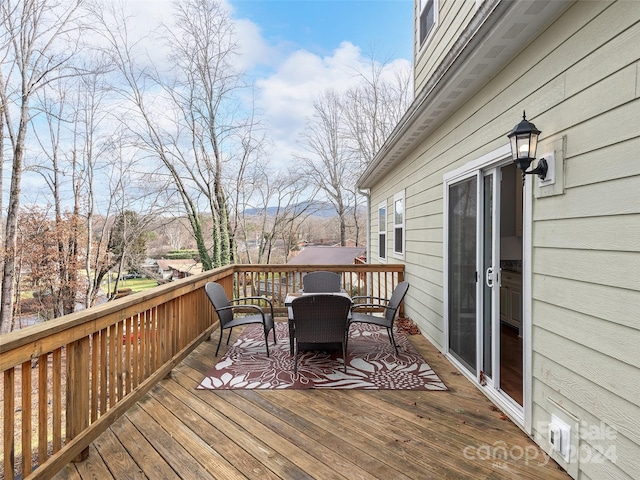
(489,277)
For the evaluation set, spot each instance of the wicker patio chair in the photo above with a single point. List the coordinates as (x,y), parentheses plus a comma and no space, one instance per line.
(321,282)
(227,312)
(320,320)
(391,308)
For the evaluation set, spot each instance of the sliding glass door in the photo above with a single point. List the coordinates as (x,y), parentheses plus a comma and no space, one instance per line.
(483,265)
(483,228)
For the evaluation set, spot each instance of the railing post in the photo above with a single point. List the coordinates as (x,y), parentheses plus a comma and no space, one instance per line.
(78,405)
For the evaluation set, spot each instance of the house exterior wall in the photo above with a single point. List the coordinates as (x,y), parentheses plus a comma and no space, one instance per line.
(579,82)
(453,17)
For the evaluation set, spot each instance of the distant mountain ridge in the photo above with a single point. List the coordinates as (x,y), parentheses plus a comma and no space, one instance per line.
(316,209)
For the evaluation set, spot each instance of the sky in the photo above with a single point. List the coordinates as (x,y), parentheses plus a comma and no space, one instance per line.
(298,48)
(321,26)
(295,49)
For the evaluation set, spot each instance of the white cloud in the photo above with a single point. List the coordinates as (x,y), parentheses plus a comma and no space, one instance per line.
(286,94)
(252,47)
(287,79)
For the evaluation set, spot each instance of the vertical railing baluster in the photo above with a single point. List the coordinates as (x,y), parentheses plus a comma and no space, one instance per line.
(104,370)
(9,423)
(78,391)
(95,375)
(153,357)
(120,339)
(164,326)
(112,365)
(135,372)
(144,343)
(127,356)
(43,406)
(56,406)
(270,281)
(151,319)
(26,417)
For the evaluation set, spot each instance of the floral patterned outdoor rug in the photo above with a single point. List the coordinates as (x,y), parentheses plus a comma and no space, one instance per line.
(371,364)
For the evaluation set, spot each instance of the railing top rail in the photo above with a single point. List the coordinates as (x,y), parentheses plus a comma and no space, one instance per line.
(354,267)
(77,325)
(102,315)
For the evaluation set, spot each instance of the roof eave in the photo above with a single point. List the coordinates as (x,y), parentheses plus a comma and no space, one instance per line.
(496,34)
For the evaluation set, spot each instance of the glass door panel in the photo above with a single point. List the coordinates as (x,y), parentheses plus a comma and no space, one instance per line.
(462,271)
(484,254)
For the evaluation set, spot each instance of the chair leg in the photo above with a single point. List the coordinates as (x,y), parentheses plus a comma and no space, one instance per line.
(392,338)
(346,345)
(344,354)
(219,341)
(229,337)
(295,360)
(266,337)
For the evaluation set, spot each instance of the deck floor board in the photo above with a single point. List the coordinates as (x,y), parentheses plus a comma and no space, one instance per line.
(177,431)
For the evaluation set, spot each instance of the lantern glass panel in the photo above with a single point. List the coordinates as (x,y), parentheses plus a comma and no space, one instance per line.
(523,146)
(533,145)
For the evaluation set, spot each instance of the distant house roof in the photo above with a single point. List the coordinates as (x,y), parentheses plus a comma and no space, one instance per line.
(176,263)
(189,269)
(327,256)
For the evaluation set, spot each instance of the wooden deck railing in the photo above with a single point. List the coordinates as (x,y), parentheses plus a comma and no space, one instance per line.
(65,381)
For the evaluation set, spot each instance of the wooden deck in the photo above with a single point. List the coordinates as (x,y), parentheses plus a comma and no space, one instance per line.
(177,431)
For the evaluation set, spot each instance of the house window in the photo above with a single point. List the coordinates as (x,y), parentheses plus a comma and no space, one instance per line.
(382,231)
(398,224)
(428,18)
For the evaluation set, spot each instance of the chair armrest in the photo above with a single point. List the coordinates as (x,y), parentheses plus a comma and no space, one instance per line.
(257,308)
(263,299)
(368,305)
(380,299)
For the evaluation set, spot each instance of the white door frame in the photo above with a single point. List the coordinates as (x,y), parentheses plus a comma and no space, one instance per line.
(520,415)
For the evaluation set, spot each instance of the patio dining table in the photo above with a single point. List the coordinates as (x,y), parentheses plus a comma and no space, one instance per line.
(288,300)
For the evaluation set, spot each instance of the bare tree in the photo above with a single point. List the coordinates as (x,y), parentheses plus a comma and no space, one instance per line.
(193,129)
(174,232)
(123,234)
(92,144)
(347,130)
(52,101)
(372,109)
(244,171)
(329,162)
(272,207)
(31,58)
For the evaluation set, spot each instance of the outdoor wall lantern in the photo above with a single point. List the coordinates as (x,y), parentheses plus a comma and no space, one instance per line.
(524,141)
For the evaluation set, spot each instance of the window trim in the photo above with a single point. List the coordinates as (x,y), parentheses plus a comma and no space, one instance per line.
(422,5)
(382,231)
(399,197)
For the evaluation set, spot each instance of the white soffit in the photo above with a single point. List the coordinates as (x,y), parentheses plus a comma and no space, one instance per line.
(500,30)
